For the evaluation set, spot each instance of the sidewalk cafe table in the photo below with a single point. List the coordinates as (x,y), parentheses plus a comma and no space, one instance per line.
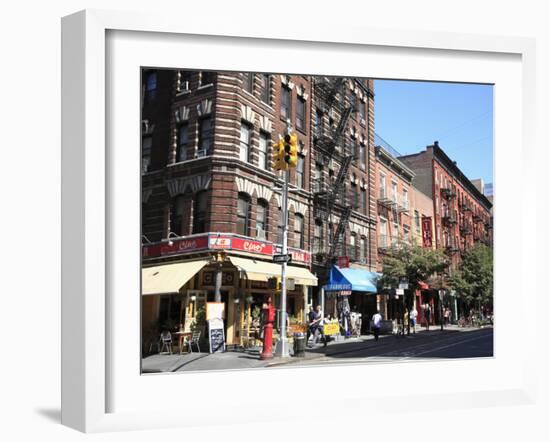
(181,338)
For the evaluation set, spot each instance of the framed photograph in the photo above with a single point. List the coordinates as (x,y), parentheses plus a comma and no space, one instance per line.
(200,160)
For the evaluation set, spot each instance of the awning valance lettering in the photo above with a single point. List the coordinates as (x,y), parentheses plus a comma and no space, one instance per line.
(351,279)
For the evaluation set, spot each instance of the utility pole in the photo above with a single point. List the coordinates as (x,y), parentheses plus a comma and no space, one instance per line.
(287,159)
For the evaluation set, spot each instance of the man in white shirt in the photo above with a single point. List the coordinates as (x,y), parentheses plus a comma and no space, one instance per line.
(413,315)
(376,323)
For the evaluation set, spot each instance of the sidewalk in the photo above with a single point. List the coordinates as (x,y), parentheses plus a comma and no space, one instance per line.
(250,358)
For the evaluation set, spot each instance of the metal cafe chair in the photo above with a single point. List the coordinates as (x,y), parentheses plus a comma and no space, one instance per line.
(166,341)
(194,340)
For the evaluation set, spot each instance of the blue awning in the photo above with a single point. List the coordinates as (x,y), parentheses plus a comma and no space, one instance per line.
(351,279)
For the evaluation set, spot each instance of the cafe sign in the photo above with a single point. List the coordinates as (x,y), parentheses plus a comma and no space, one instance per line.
(220,241)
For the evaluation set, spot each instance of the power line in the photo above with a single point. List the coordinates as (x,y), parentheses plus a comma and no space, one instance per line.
(455,128)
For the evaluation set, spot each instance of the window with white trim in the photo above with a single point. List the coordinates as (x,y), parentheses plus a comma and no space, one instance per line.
(244,145)
(263,162)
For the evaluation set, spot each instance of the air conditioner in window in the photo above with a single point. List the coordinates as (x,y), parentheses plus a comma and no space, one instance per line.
(260,234)
(363,122)
(202,153)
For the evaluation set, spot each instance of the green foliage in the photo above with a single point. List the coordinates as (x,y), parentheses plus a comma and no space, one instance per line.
(412,262)
(256,311)
(200,319)
(474,280)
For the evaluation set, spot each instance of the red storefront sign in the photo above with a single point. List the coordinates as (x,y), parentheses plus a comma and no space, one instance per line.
(427,231)
(250,246)
(220,242)
(184,245)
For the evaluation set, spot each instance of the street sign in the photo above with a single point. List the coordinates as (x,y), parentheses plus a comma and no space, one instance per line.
(403,286)
(282,258)
(399,292)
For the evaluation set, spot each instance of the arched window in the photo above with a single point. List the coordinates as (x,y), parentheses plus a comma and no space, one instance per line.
(261,219)
(243,214)
(299,230)
(176,215)
(200,205)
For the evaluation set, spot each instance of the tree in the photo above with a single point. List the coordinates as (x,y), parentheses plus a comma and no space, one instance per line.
(414,263)
(473,281)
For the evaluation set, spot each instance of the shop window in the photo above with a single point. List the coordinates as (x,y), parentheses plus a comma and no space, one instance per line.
(243,214)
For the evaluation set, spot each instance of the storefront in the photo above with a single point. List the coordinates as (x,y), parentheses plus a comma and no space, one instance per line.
(351,290)
(177,292)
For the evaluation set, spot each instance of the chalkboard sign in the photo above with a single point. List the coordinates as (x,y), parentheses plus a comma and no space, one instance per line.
(216,336)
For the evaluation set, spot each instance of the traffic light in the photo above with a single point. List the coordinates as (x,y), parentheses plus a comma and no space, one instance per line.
(278,155)
(291,150)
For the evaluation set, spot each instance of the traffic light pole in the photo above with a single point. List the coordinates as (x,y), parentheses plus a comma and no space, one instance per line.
(281,350)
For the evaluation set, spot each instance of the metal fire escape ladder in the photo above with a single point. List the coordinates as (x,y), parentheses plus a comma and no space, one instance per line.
(330,93)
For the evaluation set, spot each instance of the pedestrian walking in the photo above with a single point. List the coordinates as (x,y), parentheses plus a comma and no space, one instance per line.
(446,315)
(427,315)
(315,325)
(414,315)
(376,324)
(310,319)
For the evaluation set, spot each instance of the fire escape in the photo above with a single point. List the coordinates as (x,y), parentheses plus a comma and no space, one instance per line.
(330,196)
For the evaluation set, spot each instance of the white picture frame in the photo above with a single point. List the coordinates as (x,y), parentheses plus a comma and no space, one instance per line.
(90,314)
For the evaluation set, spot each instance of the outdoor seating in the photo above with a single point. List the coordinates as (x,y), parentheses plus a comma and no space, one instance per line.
(195,337)
(166,341)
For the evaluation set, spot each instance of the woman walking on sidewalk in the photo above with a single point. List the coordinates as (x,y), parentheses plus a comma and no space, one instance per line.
(376,324)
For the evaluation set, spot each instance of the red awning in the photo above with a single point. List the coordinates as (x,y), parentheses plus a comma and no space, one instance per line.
(423,285)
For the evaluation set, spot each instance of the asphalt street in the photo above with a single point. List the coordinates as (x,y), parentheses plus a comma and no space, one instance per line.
(450,343)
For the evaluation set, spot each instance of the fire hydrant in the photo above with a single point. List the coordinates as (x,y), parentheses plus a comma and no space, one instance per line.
(268,313)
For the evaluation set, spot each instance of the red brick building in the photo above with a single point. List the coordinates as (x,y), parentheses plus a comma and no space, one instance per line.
(211,203)
(462,214)
(208,187)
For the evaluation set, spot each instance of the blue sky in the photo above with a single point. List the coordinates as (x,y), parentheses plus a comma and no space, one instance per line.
(410,115)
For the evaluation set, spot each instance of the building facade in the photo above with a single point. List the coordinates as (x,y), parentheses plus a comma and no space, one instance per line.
(209,192)
(211,201)
(462,214)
